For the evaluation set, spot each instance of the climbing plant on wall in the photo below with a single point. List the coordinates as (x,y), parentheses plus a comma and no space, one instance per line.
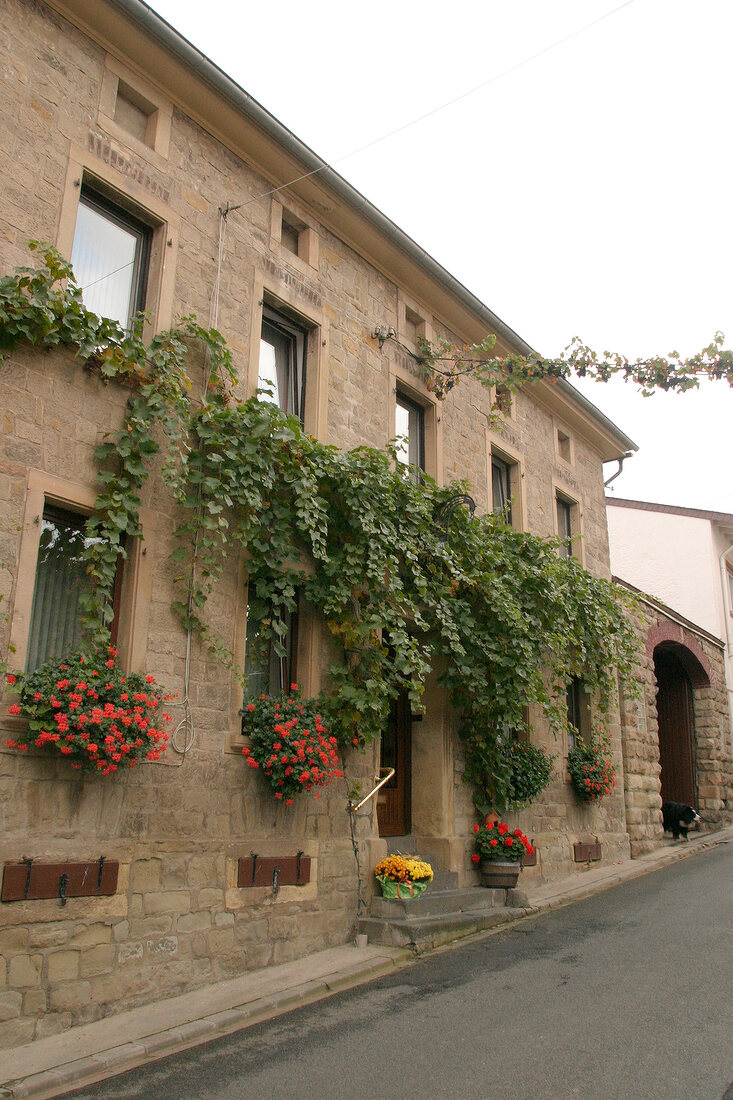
(443,364)
(508,619)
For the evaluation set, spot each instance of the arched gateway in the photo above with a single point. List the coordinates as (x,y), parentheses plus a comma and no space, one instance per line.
(678,674)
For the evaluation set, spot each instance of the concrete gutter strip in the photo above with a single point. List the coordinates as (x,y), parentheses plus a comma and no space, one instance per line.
(48,1067)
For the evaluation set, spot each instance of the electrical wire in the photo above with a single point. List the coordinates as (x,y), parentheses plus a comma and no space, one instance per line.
(435,110)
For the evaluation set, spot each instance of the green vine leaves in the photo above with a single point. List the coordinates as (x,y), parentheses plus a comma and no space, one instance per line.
(442,365)
(499,613)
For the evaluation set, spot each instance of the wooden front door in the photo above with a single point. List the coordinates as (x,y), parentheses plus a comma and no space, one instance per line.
(394,799)
(676,729)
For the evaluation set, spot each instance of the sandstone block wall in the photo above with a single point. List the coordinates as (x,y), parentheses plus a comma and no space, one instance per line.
(640,731)
(178,920)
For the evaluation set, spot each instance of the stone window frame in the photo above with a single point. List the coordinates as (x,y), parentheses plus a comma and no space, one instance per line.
(414,321)
(415,434)
(159,109)
(282,298)
(84,168)
(402,382)
(561,491)
(504,401)
(135,603)
(306,259)
(564,442)
(584,709)
(308,641)
(499,448)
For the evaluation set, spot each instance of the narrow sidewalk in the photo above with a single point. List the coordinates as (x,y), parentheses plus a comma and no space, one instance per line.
(45,1068)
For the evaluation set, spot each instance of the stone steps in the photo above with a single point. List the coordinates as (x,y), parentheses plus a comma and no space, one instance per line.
(424,931)
(443,913)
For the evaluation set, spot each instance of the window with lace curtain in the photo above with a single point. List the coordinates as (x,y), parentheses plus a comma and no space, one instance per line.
(61,581)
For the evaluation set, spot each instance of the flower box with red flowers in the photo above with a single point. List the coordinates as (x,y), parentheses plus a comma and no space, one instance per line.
(87,709)
(289,742)
(591,769)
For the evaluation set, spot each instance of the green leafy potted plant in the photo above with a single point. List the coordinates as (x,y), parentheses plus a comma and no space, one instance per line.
(403,876)
(290,743)
(87,709)
(497,853)
(591,769)
(530,770)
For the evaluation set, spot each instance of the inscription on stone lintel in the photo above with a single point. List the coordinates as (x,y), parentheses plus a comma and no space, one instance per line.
(292,281)
(106,152)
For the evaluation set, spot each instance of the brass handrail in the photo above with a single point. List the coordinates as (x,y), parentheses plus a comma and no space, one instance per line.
(352,808)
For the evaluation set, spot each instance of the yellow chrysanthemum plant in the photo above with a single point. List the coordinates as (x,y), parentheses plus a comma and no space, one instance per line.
(403,876)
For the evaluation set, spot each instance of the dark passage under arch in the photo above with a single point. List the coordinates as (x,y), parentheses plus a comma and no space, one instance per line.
(676,717)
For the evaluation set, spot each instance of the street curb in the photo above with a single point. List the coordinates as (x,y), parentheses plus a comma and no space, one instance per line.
(112,1060)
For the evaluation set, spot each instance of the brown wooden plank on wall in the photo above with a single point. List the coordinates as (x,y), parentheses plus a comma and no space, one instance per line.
(260,870)
(587,851)
(41,881)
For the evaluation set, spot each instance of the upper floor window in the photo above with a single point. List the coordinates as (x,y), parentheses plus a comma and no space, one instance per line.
(110,257)
(282,363)
(410,432)
(565,525)
(501,488)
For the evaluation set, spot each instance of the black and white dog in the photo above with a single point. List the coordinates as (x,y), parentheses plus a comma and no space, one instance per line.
(678,818)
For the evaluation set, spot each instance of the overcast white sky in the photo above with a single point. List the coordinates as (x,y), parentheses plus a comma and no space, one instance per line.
(585,189)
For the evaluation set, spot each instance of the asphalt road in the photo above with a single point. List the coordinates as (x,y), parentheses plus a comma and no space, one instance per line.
(628,994)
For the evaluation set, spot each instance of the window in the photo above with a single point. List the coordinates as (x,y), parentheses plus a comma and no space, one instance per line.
(410,432)
(282,363)
(564,446)
(565,526)
(503,400)
(289,237)
(110,257)
(577,712)
(501,488)
(729,574)
(267,672)
(135,114)
(61,580)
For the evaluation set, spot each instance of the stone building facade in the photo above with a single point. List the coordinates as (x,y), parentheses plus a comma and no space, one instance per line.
(676,730)
(106,110)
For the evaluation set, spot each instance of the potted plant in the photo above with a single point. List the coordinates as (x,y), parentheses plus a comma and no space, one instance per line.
(289,741)
(497,853)
(530,770)
(507,774)
(591,769)
(87,709)
(403,876)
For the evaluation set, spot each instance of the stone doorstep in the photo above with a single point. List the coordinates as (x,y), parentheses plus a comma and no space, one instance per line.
(439,915)
(435,902)
(428,932)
